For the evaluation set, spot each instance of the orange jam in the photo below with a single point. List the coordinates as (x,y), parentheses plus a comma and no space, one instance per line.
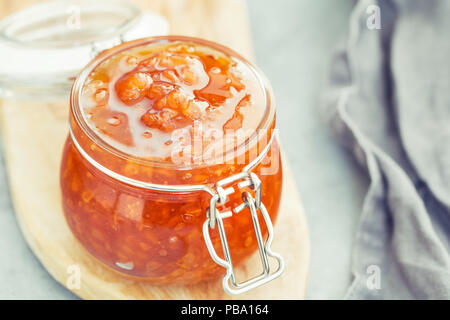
(167,111)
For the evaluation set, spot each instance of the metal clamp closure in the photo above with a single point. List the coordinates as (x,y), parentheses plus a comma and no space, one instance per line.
(215,217)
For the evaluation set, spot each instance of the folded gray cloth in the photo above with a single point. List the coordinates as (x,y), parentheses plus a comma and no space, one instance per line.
(389,101)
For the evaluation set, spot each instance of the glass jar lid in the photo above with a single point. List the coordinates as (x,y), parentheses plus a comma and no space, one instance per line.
(43,47)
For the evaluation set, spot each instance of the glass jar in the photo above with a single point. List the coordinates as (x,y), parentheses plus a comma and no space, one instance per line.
(173,223)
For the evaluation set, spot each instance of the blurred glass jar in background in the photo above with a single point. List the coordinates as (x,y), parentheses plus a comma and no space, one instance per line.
(43,47)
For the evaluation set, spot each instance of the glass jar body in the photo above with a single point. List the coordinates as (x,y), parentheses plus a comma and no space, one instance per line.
(156,236)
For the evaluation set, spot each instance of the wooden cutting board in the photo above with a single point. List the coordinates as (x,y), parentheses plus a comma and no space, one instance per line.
(33,135)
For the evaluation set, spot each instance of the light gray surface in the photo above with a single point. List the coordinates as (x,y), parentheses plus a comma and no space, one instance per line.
(388,101)
(293,43)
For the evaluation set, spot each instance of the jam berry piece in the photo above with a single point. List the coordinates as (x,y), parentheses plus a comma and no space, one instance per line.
(188,76)
(132,87)
(151,119)
(195,110)
(175,100)
(159,89)
(170,75)
(161,103)
(148,65)
(163,120)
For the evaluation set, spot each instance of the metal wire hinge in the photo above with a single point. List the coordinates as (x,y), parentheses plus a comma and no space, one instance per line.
(215,217)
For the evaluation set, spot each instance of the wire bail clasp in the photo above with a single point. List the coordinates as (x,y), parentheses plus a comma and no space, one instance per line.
(215,217)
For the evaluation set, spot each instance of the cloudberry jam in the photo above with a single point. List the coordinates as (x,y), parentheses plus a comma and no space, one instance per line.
(167,111)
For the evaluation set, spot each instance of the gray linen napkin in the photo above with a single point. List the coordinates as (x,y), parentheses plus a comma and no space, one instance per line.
(388,100)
